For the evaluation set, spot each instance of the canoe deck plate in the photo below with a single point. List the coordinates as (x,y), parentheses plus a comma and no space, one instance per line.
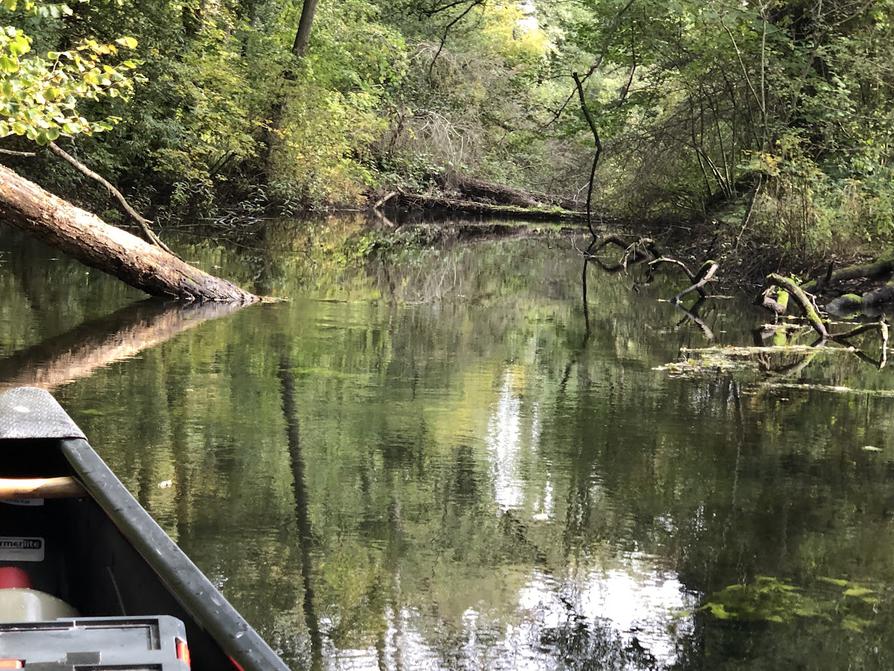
(27,412)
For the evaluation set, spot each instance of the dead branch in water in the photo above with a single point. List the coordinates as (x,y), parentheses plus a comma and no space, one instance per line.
(384,199)
(704,275)
(882,327)
(638,251)
(802,298)
(676,262)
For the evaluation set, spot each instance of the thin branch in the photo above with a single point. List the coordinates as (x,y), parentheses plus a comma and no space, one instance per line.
(595,66)
(666,259)
(626,90)
(596,154)
(760,102)
(747,219)
(143,223)
(459,17)
(705,274)
(437,10)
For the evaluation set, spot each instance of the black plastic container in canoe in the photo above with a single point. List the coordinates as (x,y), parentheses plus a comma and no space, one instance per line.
(85,540)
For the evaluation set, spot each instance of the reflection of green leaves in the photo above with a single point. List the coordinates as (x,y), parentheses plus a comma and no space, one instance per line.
(769,599)
(93,412)
(852,623)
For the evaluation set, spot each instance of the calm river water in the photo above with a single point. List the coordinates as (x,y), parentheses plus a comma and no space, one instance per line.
(430,462)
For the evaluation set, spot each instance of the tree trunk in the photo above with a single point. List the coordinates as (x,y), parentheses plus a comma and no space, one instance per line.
(91,241)
(478,189)
(302,35)
(278,108)
(489,209)
(500,194)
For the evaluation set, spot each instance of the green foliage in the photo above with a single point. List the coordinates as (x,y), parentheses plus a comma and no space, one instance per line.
(726,94)
(41,94)
(468,98)
(696,102)
(331,109)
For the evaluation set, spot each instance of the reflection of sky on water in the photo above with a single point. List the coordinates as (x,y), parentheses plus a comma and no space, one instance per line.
(506,439)
(619,612)
(627,616)
(504,445)
(636,603)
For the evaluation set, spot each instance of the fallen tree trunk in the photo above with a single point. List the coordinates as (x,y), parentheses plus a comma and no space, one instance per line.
(478,189)
(489,209)
(791,288)
(884,294)
(878,268)
(500,194)
(91,241)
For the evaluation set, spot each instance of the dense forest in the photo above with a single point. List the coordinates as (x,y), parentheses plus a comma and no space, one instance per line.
(772,118)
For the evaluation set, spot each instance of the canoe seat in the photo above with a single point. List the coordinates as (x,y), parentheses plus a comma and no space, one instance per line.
(12,489)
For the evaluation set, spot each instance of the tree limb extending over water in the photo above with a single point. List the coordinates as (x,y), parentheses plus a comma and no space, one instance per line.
(95,243)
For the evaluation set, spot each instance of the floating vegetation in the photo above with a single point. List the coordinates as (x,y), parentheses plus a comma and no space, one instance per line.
(769,365)
(699,367)
(735,352)
(830,389)
(697,362)
(769,599)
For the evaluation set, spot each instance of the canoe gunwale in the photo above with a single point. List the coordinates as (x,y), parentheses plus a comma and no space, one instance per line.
(28,413)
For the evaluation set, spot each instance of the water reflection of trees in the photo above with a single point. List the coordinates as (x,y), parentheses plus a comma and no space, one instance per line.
(398,530)
(97,343)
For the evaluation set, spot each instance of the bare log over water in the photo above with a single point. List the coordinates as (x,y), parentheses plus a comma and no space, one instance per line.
(78,353)
(93,242)
(490,209)
(704,275)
